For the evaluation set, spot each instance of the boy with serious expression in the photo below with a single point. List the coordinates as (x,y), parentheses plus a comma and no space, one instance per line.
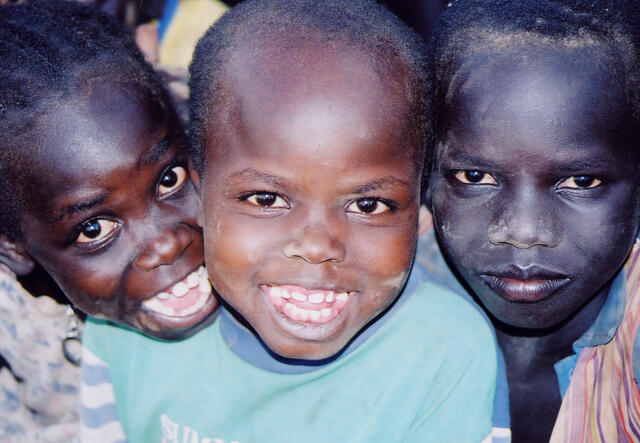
(535,196)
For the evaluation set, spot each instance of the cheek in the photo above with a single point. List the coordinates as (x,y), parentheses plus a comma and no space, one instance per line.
(232,247)
(383,255)
(91,288)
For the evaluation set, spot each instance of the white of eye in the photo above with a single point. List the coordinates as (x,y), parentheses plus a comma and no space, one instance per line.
(474,177)
(368,206)
(171,180)
(267,200)
(580,182)
(96,230)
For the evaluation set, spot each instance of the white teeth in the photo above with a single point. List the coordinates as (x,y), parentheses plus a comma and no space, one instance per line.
(277,291)
(163,295)
(316,297)
(193,280)
(202,272)
(342,296)
(314,315)
(204,286)
(304,314)
(289,307)
(326,312)
(298,296)
(180,289)
(154,305)
(329,297)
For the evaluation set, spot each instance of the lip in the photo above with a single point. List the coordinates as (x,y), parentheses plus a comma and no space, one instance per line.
(524,285)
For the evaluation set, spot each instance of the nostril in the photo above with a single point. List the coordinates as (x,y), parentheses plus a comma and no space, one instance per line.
(314,246)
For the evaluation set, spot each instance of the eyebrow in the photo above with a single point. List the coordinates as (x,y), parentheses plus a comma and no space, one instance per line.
(154,154)
(569,165)
(468,158)
(379,183)
(254,174)
(73,209)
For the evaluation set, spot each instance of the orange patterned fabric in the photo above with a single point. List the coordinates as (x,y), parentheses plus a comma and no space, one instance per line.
(602,403)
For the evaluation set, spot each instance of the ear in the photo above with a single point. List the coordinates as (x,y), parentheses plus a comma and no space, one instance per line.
(425,221)
(15,257)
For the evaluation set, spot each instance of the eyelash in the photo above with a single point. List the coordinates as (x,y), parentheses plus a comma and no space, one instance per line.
(101,242)
(182,178)
(461,176)
(391,206)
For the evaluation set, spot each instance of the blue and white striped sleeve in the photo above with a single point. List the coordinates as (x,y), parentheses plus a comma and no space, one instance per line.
(99,421)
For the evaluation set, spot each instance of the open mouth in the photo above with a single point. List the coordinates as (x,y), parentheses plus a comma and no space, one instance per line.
(184,298)
(315,306)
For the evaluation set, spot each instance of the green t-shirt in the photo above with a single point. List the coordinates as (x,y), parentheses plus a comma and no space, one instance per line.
(427,374)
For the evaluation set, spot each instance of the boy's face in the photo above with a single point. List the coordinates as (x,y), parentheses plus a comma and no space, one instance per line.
(111,213)
(535,188)
(310,198)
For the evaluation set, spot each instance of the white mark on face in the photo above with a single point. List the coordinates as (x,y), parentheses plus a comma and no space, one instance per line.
(395,282)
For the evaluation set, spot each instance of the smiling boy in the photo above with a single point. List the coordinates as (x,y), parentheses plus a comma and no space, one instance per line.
(535,196)
(307,119)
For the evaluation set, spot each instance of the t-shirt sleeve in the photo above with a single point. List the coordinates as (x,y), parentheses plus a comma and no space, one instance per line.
(461,396)
(99,422)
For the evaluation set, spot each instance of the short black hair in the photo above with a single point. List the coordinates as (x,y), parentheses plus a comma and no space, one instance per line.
(361,24)
(50,50)
(612,27)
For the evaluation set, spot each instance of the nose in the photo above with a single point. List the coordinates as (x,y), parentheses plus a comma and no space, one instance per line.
(315,244)
(164,248)
(524,225)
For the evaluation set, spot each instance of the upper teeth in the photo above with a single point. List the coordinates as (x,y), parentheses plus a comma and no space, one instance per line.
(315,297)
(193,280)
(298,296)
(180,289)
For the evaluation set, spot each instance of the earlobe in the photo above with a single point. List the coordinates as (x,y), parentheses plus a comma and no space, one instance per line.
(15,257)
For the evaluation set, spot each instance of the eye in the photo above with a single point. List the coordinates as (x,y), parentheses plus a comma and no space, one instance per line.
(95,230)
(267,200)
(368,206)
(474,177)
(580,182)
(171,180)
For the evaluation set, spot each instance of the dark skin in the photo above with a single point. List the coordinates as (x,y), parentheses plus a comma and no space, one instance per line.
(534,198)
(311,186)
(109,211)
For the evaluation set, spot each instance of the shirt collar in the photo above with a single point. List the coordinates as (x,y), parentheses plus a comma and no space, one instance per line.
(609,318)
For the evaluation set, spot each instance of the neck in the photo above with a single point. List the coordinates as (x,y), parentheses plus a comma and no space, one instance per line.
(535,347)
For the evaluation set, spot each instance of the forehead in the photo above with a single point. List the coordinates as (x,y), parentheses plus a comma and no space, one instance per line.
(540,95)
(299,90)
(105,128)
(89,141)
